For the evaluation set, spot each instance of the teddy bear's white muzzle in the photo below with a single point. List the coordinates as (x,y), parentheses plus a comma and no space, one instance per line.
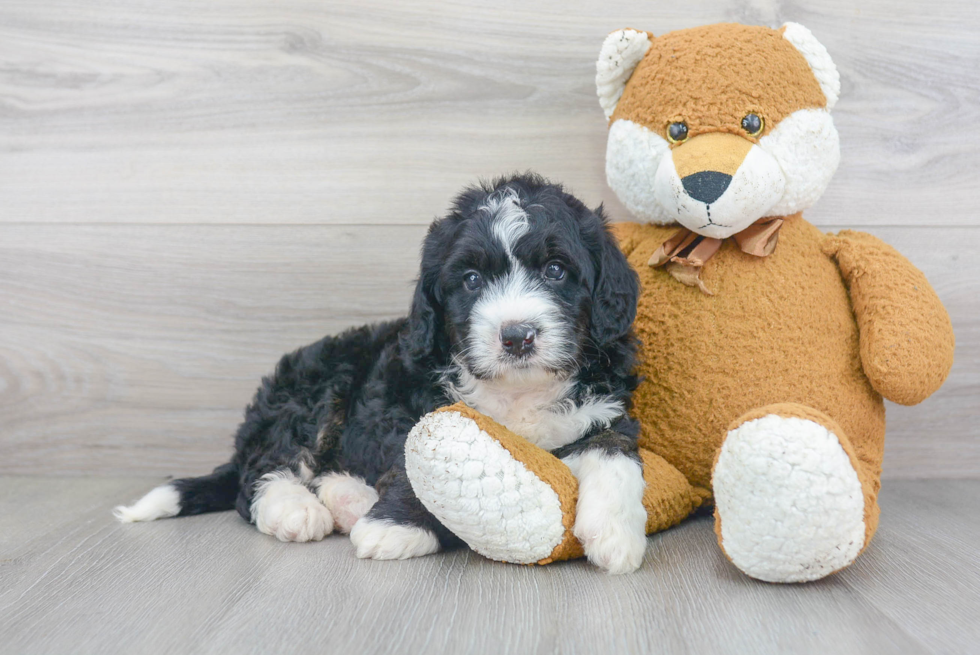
(718,205)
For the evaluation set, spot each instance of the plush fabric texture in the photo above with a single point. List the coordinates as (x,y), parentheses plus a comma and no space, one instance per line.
(906,337)
(803,361)
(790,506)
(774,379)
(621,52)
(777,329)
(488,498)
(498,500)
(668,498)
(870,484)
(543,465)
(710,77)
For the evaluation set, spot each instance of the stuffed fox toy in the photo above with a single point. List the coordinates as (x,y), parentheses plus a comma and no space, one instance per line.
(768,346)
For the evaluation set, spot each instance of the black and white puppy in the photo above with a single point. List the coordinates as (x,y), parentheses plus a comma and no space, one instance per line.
(523,310)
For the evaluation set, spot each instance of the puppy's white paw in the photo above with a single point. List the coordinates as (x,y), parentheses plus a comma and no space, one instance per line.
(610,520)
(284,508)
(384,540)
(610,543)
(347,497)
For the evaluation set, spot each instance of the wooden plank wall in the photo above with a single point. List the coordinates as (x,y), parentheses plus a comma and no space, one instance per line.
(189,189)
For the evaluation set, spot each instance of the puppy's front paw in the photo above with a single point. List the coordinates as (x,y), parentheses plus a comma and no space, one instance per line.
(288,511)
(611,543)
(610,520)
(384,540)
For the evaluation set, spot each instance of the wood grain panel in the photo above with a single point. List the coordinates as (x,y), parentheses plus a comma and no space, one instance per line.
(79,582)
(133,349)
(247,111)
(924,556)
(132,345)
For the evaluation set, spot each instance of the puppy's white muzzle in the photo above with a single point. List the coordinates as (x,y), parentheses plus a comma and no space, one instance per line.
(519,302)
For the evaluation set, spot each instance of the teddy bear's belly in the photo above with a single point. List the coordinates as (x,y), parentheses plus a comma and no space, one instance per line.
(779,329)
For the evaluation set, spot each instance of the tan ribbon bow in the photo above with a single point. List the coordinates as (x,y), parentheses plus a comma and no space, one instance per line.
(684,254)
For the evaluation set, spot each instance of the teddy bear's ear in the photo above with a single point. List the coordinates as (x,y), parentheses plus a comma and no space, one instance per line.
(819,59)
(621,52)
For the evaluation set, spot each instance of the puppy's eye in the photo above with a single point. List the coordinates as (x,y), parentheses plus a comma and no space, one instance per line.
(753,124)
(554,271)
(677,132)
(472,280)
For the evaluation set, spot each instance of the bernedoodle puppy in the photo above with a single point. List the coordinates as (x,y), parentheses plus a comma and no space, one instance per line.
(523,310)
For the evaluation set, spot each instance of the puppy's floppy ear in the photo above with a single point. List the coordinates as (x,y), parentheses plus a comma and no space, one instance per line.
(424,334)
(419,340)
(616,289)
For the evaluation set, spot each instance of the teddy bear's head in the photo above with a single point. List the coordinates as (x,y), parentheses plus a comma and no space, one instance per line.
(718,126)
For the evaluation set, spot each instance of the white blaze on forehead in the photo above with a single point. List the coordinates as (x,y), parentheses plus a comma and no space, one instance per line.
(517,296)
(510,221)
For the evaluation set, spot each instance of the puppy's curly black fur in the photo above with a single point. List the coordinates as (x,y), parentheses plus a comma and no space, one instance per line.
(346,403)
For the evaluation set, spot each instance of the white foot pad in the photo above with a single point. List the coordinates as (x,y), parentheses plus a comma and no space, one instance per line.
(284,508)
(384,540)
(791,505)
(347,497)
(482,494)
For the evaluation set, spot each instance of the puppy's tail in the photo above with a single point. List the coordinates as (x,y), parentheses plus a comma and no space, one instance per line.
(209,493)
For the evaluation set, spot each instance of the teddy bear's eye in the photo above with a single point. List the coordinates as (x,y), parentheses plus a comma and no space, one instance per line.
(753,124)
(676,132)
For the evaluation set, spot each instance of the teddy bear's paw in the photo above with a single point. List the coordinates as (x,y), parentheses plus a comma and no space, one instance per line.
(284,508)
(478,490)
(376,539)
(788,500)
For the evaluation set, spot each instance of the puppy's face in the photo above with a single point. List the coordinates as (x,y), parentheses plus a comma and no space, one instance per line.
(520,278)
(514,288)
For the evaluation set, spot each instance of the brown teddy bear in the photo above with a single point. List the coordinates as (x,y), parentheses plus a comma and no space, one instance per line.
(768,345)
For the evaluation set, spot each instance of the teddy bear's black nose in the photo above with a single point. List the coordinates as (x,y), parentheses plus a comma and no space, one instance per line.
(706,186)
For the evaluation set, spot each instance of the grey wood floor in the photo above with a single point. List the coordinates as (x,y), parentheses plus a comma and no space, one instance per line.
(72,580)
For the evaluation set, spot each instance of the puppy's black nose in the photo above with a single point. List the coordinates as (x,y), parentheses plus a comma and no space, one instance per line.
(518,339)
(706,186)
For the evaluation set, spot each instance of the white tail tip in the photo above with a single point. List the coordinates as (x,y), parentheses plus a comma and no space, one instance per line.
(158,504)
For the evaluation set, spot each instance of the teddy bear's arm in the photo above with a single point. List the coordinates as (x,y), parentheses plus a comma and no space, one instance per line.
(905,332)
(627,234)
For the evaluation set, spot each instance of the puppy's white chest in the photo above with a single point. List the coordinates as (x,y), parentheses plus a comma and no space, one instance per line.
(530,414)
(540,413)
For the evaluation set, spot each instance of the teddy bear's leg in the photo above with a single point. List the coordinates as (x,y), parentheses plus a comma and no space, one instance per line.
(668,497)
(792,500)
(510,500)
(506,498)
